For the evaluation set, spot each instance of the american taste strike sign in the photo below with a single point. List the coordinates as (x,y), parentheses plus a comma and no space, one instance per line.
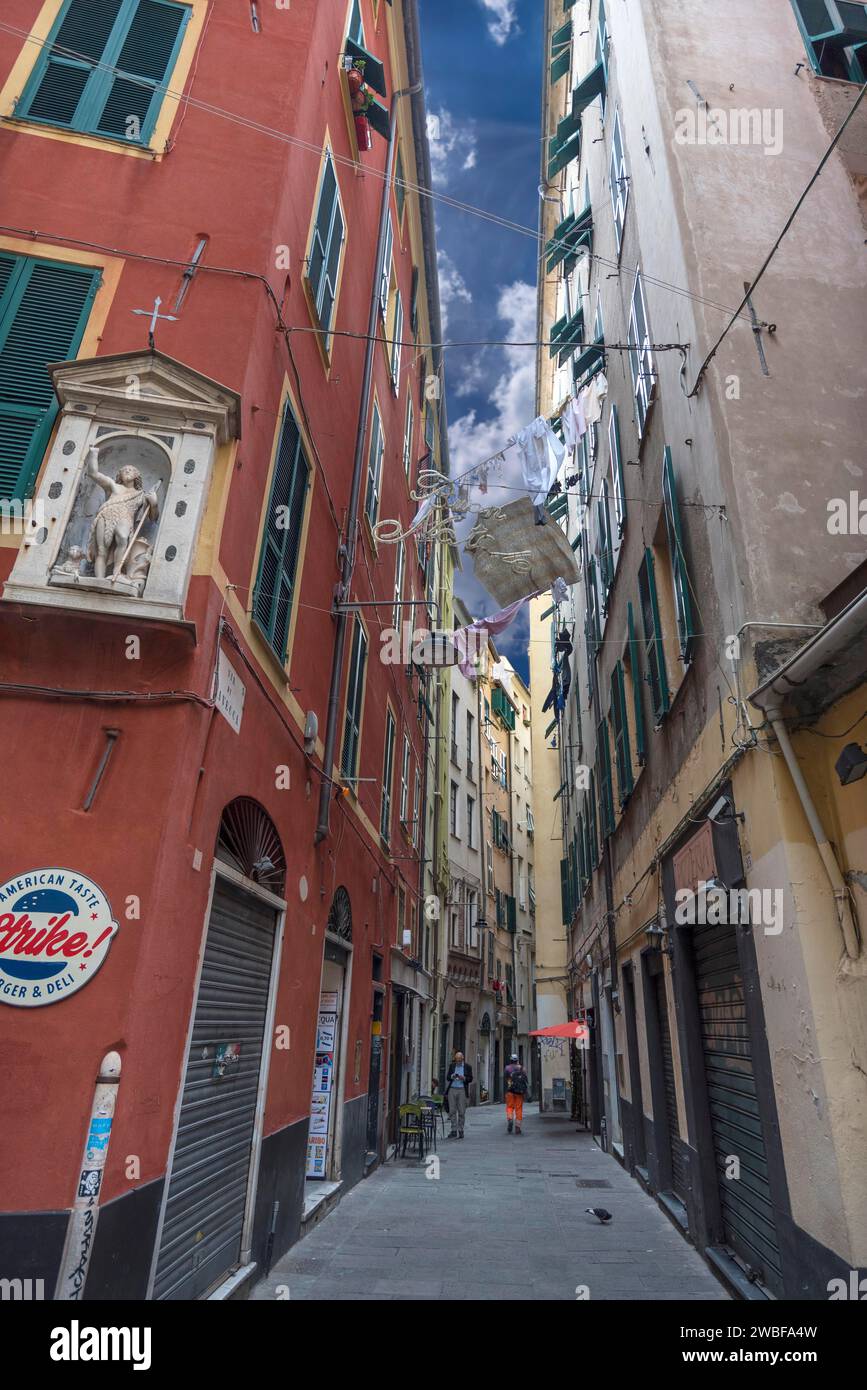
(55,931)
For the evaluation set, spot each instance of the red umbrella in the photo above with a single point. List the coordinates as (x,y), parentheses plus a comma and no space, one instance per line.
(575,1029)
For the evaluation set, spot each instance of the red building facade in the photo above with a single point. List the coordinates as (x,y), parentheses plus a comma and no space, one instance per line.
(167,640)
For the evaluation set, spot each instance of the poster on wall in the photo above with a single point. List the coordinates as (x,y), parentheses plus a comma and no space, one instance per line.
(323,1076)
(55,930)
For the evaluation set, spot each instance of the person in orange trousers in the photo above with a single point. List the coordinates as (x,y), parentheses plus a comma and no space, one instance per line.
(517,1084)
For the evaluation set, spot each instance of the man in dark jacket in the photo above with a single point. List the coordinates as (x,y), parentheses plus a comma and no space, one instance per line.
(457,1093)
(517,1084)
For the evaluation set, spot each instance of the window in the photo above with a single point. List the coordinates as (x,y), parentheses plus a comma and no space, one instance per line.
(471,813)
(387,772)
(453,808)
(385,277)
(620,725)
(679,572)
(396,335)
(472,930)
(374,467)
(399,189)
(281,541)
(454,728)
(490,954)
(401,917)
(603,776)
(617,470)
(640,356)
(404,781)
(399,567)
(326,247)
(355,30)
(606,547)
(416,808)
(835,34)
(634,666)
(354,703)
(618,181)
(44,306)
(407,440)
(430,424)
(653,652)
(489,866)
(470,742)
(531,824)
(105,67)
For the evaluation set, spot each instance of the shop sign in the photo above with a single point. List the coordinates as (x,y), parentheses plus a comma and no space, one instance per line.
(55,930)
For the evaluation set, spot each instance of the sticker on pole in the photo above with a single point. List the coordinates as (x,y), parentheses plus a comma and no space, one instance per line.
(55,930)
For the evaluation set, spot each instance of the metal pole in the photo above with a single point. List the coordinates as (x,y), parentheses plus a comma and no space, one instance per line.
(81,1229)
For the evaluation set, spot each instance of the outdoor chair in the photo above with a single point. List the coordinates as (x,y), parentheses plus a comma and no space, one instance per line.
(411,1129)
(435,1105)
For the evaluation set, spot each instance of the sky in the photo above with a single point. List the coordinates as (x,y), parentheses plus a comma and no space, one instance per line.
(483,73)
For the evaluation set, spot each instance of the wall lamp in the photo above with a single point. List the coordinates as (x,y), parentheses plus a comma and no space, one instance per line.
(851,765)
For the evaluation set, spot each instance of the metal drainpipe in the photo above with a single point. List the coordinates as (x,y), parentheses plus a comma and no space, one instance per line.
(349,546)
(823,845)
(439,985)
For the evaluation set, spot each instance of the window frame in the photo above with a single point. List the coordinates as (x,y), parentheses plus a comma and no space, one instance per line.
(104,72)
(618,181)
(373,488)
(316,295)
(355,686)
(641,360)
(385,805)
(266,542)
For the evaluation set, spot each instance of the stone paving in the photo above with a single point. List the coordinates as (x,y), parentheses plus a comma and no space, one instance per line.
(505,1219)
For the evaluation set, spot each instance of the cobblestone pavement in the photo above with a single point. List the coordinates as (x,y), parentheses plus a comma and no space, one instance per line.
(505,1218)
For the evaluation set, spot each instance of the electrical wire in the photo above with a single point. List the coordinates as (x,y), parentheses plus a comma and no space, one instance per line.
(776,246)
(247,123)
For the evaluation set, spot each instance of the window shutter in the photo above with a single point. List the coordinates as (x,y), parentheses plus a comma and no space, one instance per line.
(146,58)
(413,304)
(354,691)
(71,84)
(679,572)
(281,542)
(561,153)
(593,86)
(397,335)
(617,470)
(653,650)
(323,261)
(374,72)
(606,796)
(44,307)
(511,918)
(385,275)
(387,771)
(606,550)
(374,469)
(561,51)
(621,734)
(581,835)
(635,670)
(592,833)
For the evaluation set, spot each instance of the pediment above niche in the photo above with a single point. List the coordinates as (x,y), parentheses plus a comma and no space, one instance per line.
(148,387)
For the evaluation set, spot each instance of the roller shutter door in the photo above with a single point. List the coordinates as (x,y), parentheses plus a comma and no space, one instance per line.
(678,1170)
(747,1210)
(202,1229)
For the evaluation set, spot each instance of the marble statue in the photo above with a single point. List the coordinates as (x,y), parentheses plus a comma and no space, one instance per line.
(114,532)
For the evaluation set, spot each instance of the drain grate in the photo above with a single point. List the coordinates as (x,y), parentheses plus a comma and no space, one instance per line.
(592,1182)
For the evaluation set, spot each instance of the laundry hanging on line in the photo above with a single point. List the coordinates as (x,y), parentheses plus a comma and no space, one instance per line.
(541,454)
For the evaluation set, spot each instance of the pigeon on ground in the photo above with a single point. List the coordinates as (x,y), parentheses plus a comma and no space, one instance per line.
(600,1213)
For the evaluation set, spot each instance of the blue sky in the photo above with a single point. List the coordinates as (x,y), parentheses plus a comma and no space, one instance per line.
(483,72)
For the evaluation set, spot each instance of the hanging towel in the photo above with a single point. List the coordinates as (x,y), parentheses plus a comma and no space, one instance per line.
(594,398)
(559,590)
(541,454)
(574,423)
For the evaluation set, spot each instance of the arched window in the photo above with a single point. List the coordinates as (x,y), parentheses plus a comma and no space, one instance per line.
(248,841)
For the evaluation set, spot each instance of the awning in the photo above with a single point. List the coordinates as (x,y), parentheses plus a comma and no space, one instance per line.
(374,72)
(575,1029)
(592,87)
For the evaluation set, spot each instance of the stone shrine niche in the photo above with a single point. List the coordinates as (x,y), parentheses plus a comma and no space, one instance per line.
(113,529)
(117,514)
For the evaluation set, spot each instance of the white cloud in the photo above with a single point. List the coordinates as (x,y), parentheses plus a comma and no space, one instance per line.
(452,145)
(503,18)
(512,399)
(452,285)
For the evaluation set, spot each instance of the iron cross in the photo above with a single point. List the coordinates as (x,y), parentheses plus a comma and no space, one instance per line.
(154,316)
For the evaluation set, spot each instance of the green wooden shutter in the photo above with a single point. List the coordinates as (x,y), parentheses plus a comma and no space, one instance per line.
(105,67)
(374,72)
(511,915)
(281,541)
(620,722)
(637,704)
(354,694)
(606,547)
(387,771)
(593,86)
(606,796)
(561,51)
(44,306)
(581,837)
(564,892)
(592,831)
(323,261)
(147,55)
(653,650)
(679,572)
(562,152)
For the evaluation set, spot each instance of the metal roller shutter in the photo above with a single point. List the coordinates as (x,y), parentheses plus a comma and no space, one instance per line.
(204,1217)
(678,1170)
(747,1210)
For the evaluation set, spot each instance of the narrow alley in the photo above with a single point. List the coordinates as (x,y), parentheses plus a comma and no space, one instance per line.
(505,1219)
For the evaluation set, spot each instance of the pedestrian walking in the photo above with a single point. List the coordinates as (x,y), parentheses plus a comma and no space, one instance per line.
(516,1087)
(459,1079)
